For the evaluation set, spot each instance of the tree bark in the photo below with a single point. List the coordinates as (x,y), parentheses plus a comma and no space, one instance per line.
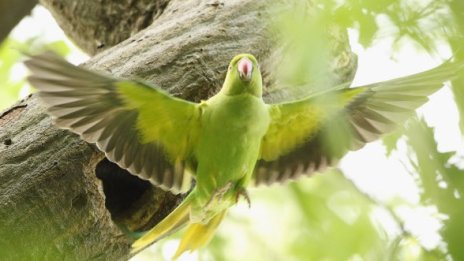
(98,25)
(60,199)
(50,199)
(11,13)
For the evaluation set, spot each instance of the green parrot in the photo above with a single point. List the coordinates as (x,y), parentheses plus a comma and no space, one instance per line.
(227,143)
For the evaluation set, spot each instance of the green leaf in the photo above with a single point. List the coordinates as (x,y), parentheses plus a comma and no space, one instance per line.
(442,183)
(11,56)
(391,140)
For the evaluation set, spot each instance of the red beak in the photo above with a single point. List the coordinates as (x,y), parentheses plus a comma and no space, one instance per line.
(245,68)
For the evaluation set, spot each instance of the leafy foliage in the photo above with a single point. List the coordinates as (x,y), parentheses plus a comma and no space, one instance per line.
(10,87)
(12,72)
(442,183)
(399,18)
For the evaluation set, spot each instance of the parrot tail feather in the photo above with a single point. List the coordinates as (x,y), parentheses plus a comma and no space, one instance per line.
(198,235)
(177,218)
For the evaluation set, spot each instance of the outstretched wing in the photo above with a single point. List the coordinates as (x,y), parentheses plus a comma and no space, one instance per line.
(139,127)
(311,134)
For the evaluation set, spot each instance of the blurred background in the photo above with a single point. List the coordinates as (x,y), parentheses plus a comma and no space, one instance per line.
(400,198)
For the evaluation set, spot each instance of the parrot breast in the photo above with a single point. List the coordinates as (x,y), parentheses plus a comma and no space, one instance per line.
(227,151)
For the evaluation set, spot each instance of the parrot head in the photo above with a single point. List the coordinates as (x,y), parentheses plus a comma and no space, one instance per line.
(243,76)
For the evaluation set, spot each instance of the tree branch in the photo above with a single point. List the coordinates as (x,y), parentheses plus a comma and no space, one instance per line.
(11,13)
(97,25)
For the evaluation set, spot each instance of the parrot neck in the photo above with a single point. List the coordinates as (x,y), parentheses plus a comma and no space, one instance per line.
(238,87)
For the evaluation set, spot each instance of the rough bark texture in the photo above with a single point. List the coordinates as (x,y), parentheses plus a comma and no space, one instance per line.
(52,201)
(97,25)
(11,12)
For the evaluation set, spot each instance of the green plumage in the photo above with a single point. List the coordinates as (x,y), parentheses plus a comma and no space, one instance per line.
(226,143)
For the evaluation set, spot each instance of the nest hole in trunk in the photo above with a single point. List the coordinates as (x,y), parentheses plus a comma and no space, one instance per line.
(135,204)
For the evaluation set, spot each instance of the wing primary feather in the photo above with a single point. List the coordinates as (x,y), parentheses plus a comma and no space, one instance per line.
(362,114)
(112,113)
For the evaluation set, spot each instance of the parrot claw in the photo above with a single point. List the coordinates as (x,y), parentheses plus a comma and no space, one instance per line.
(243,192)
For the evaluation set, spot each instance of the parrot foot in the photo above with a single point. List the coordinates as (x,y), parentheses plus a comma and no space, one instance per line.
(243,192)
(219,193)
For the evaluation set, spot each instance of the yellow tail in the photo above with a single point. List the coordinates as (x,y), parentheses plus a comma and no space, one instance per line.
(199,235)
(170,223)
(196,236)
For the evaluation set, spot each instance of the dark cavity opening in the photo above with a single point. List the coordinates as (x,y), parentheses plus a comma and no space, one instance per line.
(120,187)
(135,204)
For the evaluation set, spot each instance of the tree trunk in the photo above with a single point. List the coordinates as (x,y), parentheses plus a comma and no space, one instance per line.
(11,13)
(98,25)
(51,203)
(59,197)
